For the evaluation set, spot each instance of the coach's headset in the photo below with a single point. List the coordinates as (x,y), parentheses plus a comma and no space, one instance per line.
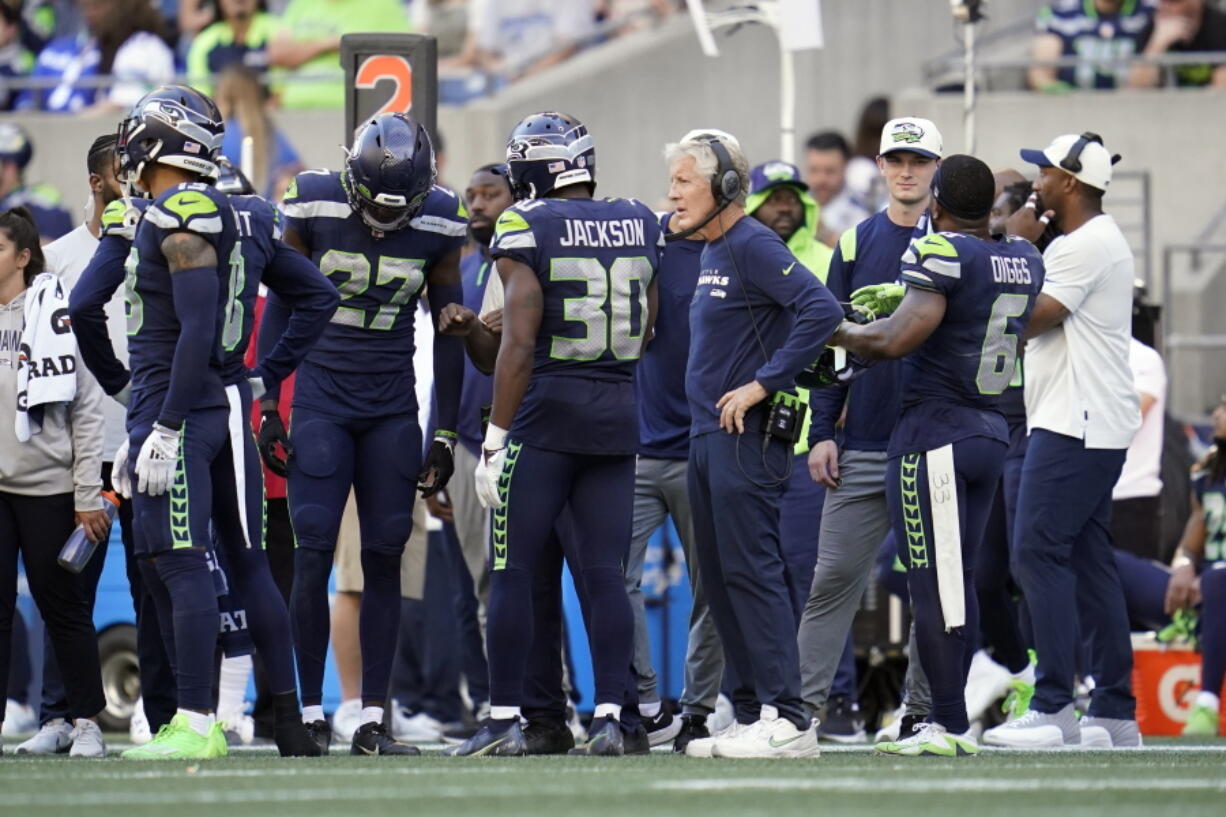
(1072,162)
(725,185)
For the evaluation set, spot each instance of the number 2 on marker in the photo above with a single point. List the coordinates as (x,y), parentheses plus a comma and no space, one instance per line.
(374,70)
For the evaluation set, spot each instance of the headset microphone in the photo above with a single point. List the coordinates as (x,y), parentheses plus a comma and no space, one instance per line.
(725,186)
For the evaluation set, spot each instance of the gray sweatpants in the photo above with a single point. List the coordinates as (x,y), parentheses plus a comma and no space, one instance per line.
(854,522)
(471,523)
(660,491)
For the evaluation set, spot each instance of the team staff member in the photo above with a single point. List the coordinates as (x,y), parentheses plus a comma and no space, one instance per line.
(48,484)
(968,297)
(1082,410)
(757,319)
(854,519)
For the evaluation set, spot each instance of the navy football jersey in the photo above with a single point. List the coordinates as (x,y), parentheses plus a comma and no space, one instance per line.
(595,259)
(259,229)
(379,278)
(153,328)
(1212,496)
(952,384)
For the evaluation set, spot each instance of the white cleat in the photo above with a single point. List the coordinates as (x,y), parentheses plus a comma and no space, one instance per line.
(347,718)
(138,727)
(723,716)
(418,728)
(87,740)
(55,738)
(239,728)
(986,683)
(19,719)
(1037,730)
(773,738)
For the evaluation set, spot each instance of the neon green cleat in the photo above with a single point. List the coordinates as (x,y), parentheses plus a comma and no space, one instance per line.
(177,741)
(1202,723)
(931,739)
(1018,700)
(218,746)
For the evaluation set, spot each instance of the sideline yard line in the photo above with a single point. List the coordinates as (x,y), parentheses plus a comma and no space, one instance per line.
(878,785)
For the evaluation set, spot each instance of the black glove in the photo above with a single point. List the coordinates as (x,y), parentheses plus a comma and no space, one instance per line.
(833,367)
(437,469)
(272,433)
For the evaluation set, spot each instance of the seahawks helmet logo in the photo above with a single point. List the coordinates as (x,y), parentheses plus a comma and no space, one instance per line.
(907,133)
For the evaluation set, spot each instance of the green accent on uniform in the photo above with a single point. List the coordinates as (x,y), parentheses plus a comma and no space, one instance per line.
(500,514)
(451,435)
(898,566)
(46,194)
(1017,702)
(112,216)
(847,244)
(481,273)
(935,244)
(180,529)
(461,211)
(364,190)
(291,192)
(188,203)
(912,515)
(510,222)
(178,741)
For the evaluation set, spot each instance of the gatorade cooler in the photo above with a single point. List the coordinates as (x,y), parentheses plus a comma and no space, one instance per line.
(1165,680)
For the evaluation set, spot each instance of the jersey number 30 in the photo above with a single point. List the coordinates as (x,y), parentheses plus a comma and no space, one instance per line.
(611,330)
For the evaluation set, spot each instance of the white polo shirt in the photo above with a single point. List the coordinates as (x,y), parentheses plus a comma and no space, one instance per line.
(1078,381)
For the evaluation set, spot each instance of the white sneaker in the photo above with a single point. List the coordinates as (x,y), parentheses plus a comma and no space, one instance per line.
(702,747)
(19,719)
(55,738)
(575,725)
(239,728)
(893,724)
(1037,730)
(770,738)
(87,740)
(418,728)
(986,683)
(347,718)
(723,716)
(138,726)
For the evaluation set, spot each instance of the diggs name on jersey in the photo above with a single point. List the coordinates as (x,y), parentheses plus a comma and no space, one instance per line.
(1010,270)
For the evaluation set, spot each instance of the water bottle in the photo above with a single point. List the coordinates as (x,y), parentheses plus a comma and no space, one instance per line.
(78,550)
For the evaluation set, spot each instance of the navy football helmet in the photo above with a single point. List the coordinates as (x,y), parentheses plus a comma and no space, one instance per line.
(549,150)
(231,180)
(389,171)
(15,145)
(174,125)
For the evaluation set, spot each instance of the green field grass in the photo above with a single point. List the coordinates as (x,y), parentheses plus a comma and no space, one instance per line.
(1169,778)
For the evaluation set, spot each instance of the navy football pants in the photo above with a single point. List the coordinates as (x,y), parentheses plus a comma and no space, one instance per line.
(736,534)
(599,491)
(945,653)
(380,457)
(1067,572)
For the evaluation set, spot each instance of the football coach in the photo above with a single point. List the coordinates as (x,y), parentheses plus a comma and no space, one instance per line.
(757,319)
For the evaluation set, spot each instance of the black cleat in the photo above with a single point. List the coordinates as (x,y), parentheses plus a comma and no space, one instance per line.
(542,737)
(372,739)
(662,728)
(693,727)
(493,739)
(909,724)
(458,734)
(604,738)
(636,741)
(321,733)
(295,739)
(842,723)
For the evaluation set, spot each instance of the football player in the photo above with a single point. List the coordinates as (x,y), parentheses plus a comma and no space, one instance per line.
(967,301)
(380,230)
(580,294)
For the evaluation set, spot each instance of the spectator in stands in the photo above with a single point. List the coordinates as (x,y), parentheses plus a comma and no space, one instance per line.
(632,15)
(1102,34)
(15,59)
(242,101)
(194,16)
(826,157)
(123,38)
(310,38)
(43,202)
(240,37)
(515,38)
(1183,27)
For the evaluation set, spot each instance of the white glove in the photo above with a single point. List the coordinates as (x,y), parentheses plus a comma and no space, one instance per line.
(155,465)
(120,480)
(489,467)
(258,389)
